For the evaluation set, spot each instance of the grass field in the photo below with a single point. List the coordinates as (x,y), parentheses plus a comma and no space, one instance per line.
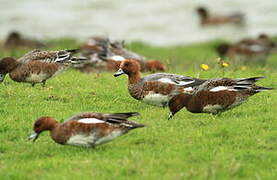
(238,144)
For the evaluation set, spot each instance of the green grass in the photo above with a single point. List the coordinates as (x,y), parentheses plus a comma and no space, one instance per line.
(238,144)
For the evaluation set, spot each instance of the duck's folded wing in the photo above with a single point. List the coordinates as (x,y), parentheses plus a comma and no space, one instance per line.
(175,79)
(227,84)
(115,118)
(29,56)
(48,56)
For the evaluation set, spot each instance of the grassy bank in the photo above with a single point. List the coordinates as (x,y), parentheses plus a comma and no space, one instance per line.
(240,143)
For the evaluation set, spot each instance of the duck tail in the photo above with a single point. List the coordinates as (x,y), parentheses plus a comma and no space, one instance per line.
(134,125)
(261,88)
(73,51)
(122,116)
(249,81)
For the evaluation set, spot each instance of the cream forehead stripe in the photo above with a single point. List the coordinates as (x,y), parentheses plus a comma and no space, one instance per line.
(90,120)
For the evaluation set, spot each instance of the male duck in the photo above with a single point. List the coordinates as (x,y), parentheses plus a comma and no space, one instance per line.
(197,95)
(86,129)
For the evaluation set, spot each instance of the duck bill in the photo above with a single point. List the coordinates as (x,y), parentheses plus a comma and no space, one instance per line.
(2,77)
(119,72)
(33,136)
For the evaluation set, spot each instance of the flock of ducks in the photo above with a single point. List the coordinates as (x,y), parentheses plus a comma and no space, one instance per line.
(174,91)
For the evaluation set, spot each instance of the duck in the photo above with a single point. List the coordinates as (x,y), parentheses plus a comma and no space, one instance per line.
(37,66)
(196,95)
(15,40)
(88,129)
(207,19)
(247,50)
(105,55)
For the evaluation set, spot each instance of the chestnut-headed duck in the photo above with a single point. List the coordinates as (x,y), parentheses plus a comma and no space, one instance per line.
(86,129)
(248,50)
(207,19)
(197,95)
(15,40)
(37,66)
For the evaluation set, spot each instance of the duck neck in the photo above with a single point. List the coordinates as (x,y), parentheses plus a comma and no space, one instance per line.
(54,125)
(134,77)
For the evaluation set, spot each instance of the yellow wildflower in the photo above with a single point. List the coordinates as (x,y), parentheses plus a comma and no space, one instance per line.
(205,67)
(223,63)
(243,68)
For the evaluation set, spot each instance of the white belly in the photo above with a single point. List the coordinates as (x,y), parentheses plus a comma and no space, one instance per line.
(156,99)
(37,77)
(212,108)
(82,140)
(92,139)
(109,137)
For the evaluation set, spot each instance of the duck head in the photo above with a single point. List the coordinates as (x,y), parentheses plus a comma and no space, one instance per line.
(129,67)
(7,64)
(42,124)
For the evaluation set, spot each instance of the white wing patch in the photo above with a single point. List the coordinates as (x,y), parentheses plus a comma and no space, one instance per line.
(167,80)
(188,89)
(219,88)
(90,121)
(185,82)
(117,58)
(222,88)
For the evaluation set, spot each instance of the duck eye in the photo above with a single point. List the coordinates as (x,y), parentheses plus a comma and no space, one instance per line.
(37,124)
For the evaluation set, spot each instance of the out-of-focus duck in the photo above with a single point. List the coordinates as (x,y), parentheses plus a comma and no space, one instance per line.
(105,55)
(207,19)
(15,40)
(248,50)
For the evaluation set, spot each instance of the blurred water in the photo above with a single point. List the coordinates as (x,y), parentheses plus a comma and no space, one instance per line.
(156,22)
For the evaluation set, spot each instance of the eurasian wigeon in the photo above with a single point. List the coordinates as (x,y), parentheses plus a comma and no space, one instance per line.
(197,95)
(207,19)
(15,40)
(104,55)
(37,66)
(247,50)
(86,129)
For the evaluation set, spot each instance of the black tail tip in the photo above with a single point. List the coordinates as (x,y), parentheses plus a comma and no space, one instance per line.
(133,113)
(265,88)
(137,125)
(73,50)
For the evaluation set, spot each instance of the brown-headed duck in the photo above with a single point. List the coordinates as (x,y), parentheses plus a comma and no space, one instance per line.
(86,129)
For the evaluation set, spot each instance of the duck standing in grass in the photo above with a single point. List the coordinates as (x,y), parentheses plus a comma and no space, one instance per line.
(207,19)
(197,95)
(86,129)
(37,66)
